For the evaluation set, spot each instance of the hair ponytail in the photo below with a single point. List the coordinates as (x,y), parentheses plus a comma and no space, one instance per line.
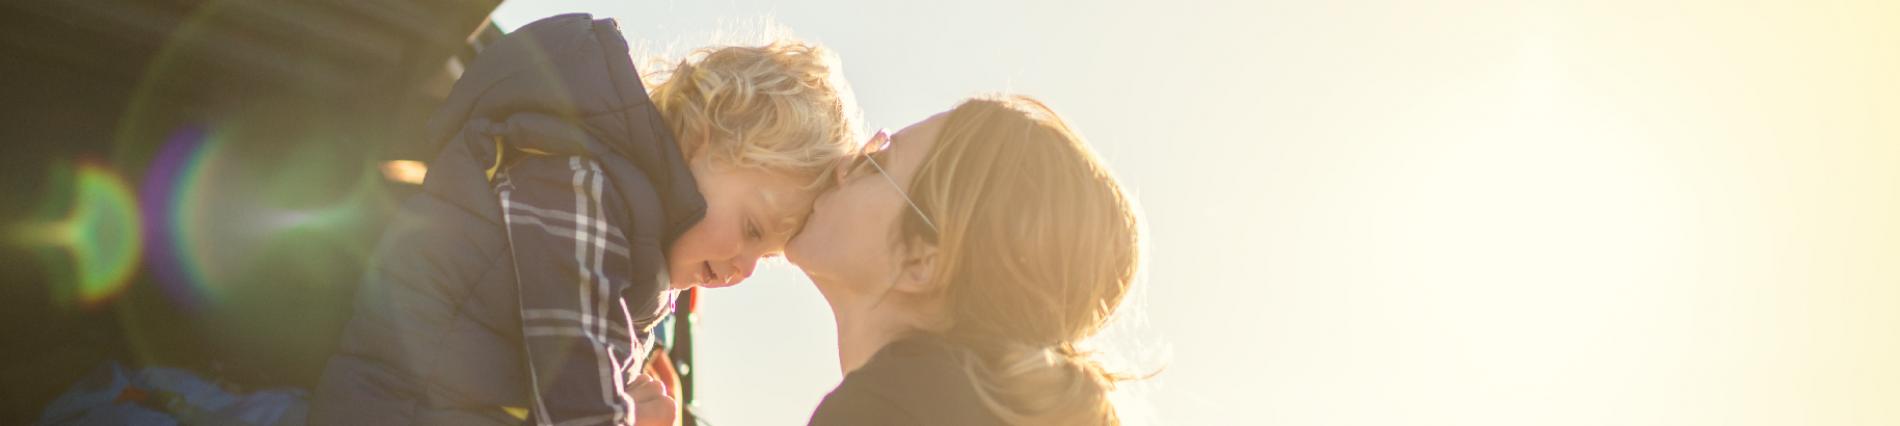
(1055,385)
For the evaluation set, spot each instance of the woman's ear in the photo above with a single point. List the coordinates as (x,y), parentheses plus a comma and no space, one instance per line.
(918,270)
(918,281)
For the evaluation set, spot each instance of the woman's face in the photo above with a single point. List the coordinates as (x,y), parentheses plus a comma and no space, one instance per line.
(849,243)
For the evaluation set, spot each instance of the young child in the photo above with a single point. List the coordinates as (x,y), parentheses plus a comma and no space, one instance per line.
(564,211)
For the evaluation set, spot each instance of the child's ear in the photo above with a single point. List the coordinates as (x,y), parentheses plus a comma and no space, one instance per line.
(694,143)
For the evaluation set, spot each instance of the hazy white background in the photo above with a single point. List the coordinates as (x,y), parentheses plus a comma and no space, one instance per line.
(1420,213)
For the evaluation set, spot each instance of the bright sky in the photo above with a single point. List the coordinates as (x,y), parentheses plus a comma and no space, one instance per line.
(1393,212)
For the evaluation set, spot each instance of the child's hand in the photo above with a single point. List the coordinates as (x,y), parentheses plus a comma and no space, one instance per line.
(651,405)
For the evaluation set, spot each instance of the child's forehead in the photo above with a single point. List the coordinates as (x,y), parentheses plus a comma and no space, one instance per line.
(776,201)
(769,190)
(783,207)
(784,198)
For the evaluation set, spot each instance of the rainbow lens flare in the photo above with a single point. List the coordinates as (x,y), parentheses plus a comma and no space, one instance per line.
(99,237)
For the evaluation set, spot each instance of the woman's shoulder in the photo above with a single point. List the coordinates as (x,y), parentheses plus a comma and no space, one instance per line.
(919,380)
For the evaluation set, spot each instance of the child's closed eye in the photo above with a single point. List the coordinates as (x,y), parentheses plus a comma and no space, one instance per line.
(752,232)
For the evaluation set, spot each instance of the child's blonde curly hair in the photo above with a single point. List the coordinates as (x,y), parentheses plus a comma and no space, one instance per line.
(783,107)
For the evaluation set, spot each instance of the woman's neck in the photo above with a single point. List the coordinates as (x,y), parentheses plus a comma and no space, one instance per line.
(862,333)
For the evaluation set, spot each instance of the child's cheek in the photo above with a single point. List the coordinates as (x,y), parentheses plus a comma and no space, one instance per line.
(685,249)
(699,244)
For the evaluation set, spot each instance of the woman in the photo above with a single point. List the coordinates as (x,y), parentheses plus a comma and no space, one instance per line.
(964,258)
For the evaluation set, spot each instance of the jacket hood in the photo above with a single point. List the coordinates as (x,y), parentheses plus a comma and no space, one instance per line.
(566,85)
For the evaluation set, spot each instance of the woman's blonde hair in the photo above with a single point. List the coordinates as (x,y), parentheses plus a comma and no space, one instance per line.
(783,107)
(1037,247)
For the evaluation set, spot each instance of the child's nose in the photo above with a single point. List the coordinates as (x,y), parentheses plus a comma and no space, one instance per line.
(742,268)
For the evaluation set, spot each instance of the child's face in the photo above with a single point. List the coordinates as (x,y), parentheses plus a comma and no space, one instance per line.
(749,214)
